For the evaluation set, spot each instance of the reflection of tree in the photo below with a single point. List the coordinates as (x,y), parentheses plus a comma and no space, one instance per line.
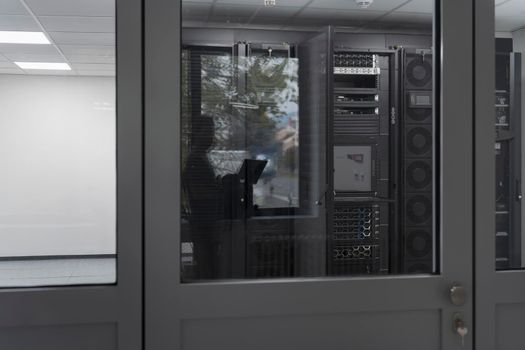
(254,104)
(263,85)
(269,82)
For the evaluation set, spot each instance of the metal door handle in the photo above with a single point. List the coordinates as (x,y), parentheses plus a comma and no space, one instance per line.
(457,294)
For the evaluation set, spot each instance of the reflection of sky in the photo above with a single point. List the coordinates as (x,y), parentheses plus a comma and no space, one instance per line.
(289,107)
(292,112)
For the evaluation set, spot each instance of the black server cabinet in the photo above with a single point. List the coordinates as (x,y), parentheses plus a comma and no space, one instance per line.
(417,162)
(361,150)
(507,150)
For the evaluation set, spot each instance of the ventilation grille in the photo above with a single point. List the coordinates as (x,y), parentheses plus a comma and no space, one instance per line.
(355,240)
(356,60)
(353,126)
(354,252)
(356,223)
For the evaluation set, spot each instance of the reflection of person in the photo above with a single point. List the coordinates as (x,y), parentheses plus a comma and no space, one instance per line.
(205,199)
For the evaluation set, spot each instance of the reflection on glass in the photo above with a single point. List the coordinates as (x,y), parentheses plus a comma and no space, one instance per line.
(258,120)
(508,147)
(307,143)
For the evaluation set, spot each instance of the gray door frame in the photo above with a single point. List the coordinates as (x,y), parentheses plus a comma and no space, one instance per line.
(169,303)
(485,175)
(77,310)
(494,289)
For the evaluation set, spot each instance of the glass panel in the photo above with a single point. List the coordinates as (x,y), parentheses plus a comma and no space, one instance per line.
(510,43)
(58,142)
(307,139)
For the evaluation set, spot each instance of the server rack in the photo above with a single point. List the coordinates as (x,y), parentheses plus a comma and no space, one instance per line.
(378,191)
(362,173)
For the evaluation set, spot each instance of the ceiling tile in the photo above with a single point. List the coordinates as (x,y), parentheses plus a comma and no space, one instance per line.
(378,5)
(509,23)
(78,24)
(18,22)
(93,66)
(235,11)
(84,30)
(72,7)
(294,3)
(21,57)
(96,50)
(511,9)
(28,49)
(195,12)
(12,7)
(90,59)
(357,15)
(49,72)
(104,73)
(227,20)
(281,11)
(65,38)
(7,65)
(408,18)
(11,71)
(419,6)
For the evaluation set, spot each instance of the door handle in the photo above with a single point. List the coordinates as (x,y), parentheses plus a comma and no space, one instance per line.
(457,294)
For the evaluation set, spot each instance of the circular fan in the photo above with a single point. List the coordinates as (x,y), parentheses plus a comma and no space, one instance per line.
(419,72)
(419,141)
(419,174)
(419,243)
(419,209)
(419,114)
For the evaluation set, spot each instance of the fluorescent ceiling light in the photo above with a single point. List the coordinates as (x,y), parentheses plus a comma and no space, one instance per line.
(43,65)
(11,37)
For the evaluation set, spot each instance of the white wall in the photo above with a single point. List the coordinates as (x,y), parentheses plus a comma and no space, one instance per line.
(57,165)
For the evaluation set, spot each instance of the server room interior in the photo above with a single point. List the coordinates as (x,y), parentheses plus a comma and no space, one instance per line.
(311,151)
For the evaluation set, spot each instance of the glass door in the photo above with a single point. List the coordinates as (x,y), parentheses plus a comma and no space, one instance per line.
(499,211)
(71,183)
(302,183)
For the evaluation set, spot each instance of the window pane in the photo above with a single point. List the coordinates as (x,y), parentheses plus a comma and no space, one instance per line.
(58,143)
(510,44)
(307,139)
